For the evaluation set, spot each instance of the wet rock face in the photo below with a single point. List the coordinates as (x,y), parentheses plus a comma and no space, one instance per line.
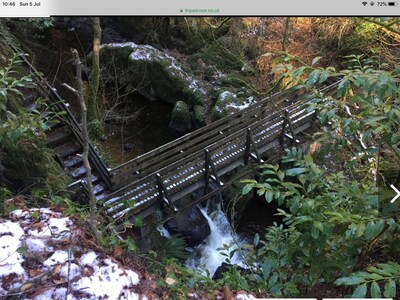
(191,225)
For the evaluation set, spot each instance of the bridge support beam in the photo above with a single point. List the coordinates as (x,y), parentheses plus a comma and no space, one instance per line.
(163,194)
(250,142)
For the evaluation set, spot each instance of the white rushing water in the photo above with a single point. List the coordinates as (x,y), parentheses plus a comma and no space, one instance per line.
(208,256)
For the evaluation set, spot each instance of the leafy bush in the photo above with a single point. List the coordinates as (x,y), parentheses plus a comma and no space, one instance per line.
(385,272)
(335,219)
(23,152)
(330,220)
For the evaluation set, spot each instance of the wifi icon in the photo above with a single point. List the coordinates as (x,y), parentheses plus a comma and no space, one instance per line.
(364,3)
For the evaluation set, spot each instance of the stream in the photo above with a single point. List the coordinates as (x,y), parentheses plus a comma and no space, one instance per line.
(149,130)
(216,248)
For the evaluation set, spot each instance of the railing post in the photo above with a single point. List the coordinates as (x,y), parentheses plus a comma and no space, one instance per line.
(293,139)
(163,195)
(247,153)
(207,169)
(160,189)
(285,121)
(209,164)
(247,150)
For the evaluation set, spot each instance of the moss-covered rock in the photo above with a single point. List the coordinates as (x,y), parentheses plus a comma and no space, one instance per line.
(181,121)
(228,103)
(152,72)
(199,116)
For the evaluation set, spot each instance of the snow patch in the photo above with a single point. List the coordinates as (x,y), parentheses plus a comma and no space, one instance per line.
(58,226)
(58,257)
(108,281)
(249,101)
(10,235)
(88,258)
(118,45)
(73,270)
(36,245)
(141,54)
(31,231)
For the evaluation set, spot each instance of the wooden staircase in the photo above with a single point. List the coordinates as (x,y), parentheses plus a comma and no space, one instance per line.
(65,137)
(68,151)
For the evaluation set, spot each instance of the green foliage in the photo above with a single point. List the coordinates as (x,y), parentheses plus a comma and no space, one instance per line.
(4,194)
(366,35)
(177,280)
(11,83)
(33,23)
(385,275)
(362,118)
(330,221)
(38,23)
(335,219)
(23,150)
(175,248)
(96,129)
(272,256)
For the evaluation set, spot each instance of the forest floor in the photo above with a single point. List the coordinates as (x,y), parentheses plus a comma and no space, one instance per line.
(46,255)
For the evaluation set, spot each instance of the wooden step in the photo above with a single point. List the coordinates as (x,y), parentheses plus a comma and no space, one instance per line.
(76,184)
(68,149)
(78,173)
(99,197)
(58,136)
(73,161)
(98,189)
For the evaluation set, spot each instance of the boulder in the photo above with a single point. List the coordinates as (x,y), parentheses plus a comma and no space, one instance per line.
(225,267)
(191,225)
(181,122)
(199,116)
(228,103)
(155,74)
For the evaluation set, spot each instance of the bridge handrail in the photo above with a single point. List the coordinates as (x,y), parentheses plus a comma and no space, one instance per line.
(126,171)
(70,119)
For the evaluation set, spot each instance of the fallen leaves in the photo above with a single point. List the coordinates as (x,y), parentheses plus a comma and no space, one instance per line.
(49,263)
(8,280)
(35,272)
(117,252)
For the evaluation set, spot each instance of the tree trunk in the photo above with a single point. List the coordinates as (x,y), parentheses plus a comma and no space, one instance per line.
(285,33)
(85,155)
(95,79)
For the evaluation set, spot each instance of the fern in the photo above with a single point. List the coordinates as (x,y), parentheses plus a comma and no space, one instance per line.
(175,248)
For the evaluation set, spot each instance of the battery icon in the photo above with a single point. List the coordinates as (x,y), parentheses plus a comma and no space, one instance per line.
(392,3)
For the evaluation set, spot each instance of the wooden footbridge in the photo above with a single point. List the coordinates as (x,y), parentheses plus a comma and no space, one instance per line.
(163,176)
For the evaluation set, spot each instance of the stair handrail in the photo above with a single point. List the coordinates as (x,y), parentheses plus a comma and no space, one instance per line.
(71,120)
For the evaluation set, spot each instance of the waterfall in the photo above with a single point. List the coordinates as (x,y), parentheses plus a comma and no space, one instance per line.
(206,257)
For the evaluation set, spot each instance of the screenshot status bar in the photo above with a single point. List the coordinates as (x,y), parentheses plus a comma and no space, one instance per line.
(46,8)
